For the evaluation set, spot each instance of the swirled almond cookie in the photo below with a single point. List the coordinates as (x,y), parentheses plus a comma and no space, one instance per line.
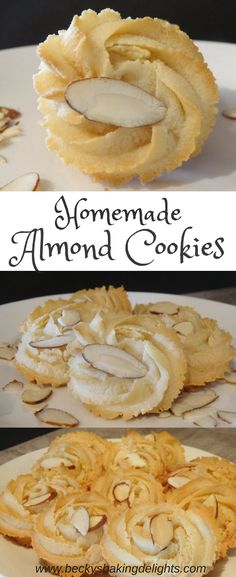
(28,495)
(42,354)
(150,453)
(70,531)
(81,452)
(124,98)
(208,348)
(212,468)
(219,499)
(163,534)
(128,487)
(132,367)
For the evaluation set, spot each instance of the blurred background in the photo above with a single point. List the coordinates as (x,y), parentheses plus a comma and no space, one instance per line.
(25,22)
(22,285)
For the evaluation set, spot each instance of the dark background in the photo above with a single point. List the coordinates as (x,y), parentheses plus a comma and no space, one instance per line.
(29,21)
(22,285)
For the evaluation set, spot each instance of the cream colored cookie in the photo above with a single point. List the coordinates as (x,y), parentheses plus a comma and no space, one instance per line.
(81,452)
(163,535)
(219,499)
(28,495)
(156,453)
(149,53)
(208,348)
(135,366)
(70,531)
(128,487)
(43,351)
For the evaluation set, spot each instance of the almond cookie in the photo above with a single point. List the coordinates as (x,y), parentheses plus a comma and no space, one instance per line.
(70,531)
(42,354)
(208,348)
(154,453)
(128,487)
(163,534)
(28,495)
(148,98)
(219,499)
(128,366)
(83,453)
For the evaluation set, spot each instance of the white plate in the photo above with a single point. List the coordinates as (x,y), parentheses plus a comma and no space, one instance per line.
(25,560)
(215,169)
(13,414)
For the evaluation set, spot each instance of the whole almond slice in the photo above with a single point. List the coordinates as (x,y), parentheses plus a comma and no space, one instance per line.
(177,481)
(34,396)
(185,328)
(52,462)
(57,417)
(35,408)
(121,491)
(230,113)
(114,102)
(188,401)
(212,503)
(96,521)
(114,361)
(208,421)
(40,499)
(163,308)
(13,386)
(228,417)
(52,343)
(80,520)
(161,530)
(24,183)
(69,318)
(230,377)
(202,412)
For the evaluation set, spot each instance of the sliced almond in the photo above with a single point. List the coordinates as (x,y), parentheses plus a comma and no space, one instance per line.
(188,401)
(24,183)
(196,414)
(230,113)
(69,318)
(14,385)
(177,481)
(121,491)
(145,544)
(212,503)
(35,408)
(163,308)
(230,377)
(228,417)
(114,361)
(135,460)
(97,521)
(114,102)
(51,462)
(80,521)
(34,396)
(52,343)
(57,417)
(162,530)
(68,531)
(185,328)
(7,352)
(40,499)
(205,422)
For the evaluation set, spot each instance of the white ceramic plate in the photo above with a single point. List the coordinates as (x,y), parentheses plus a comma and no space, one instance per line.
(215,169)
(13,414)
(16,561)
